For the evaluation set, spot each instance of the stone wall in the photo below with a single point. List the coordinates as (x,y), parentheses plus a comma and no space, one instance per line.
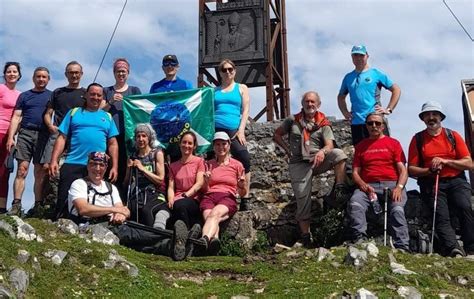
(273,207)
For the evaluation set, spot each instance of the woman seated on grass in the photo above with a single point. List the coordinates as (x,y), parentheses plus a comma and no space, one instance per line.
(223,179)
(186,177)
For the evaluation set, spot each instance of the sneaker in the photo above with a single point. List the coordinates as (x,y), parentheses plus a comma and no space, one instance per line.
(244,204)
(214,247)
(16,209)
(194,233)
(456,252)
(178,241)
(307,240)
(342,195)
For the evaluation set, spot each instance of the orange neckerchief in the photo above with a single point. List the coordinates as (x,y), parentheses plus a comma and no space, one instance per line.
(319,120)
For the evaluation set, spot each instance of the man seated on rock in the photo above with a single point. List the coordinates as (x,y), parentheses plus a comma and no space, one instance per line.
(93,200)
(311,152)
(438,151)
(379,163)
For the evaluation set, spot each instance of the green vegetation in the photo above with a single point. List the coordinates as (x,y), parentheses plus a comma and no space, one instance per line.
(82,273)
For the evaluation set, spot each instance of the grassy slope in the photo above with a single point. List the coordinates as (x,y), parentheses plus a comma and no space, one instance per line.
(83,275)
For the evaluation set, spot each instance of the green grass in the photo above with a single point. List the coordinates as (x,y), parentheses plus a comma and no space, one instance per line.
(83,275)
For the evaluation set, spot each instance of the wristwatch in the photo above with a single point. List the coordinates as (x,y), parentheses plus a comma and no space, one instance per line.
(389,111)
(401,186)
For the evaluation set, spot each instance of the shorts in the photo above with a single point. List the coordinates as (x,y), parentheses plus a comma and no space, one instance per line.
(210,200)
(48,148)
(27,145)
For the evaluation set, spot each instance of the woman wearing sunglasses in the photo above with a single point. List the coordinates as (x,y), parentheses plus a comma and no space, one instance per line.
(231,105)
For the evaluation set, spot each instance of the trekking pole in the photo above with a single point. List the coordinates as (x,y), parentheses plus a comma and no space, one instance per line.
(385,193)
(434,211)
(129,189)
(136,191)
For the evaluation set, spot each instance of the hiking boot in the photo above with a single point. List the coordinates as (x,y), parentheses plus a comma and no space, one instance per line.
(307,240)
(3,211)
(360,240)
(178,241)
(456,252)
(15,209)
(36,211)
(342,194)
(214,247)
(194,233)
(244,204)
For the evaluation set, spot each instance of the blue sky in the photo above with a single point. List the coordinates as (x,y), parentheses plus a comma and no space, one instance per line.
(417,43)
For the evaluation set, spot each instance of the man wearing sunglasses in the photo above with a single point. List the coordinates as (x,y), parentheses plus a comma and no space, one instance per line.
(311,151)
(363,85)
(171,82)
(379,163)
(440,154)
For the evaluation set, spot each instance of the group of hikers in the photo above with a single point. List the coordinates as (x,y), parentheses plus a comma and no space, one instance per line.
(168,206)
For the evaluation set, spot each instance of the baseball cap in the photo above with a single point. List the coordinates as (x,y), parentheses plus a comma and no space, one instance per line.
(359,50)
(170,58)
(221,136)
(99,157)
(431,106)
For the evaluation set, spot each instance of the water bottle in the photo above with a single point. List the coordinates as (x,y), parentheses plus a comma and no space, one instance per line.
(374,201)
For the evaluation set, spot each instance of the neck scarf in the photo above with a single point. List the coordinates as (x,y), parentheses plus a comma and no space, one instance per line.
(319,120)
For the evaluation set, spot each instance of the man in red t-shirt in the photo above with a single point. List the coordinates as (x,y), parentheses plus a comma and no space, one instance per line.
(379,163)
(443,151)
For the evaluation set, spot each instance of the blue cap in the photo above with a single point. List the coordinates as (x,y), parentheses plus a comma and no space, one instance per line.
(359,50)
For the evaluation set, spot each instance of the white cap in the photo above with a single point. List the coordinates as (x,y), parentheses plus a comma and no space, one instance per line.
(221,136)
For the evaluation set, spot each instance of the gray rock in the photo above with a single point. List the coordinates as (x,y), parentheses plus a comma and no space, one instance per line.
(22,256)
(398,268)
(280,248)
(56,256)
(35,264)
(294,254)
(19,280)
(24,231)
(241,228)
(6,227)
(67,226)
(103,235)
(409,292)
(239,297)
(324,253)
(462,280)
(372,249)
(355,257)
(116,260)
(365,294)
(5,293)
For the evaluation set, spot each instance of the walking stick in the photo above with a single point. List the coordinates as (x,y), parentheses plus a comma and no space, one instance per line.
(136,191)
(129,189)
(434,211)
(385,193)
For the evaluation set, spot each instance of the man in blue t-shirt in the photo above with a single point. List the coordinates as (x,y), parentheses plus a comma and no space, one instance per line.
(28,117)
(86,129)
(171,82)
(363,85)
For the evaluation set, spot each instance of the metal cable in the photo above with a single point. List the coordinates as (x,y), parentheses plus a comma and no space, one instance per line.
(460,24)
(110,41)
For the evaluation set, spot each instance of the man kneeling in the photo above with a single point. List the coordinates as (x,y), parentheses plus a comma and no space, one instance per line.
(93,200)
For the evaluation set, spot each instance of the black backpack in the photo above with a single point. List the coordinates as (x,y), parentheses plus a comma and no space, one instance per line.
(82,219)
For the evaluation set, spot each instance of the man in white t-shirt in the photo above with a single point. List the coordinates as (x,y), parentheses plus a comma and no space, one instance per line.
(93,200)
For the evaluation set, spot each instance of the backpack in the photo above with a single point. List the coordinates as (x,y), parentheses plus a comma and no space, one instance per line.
(419,143)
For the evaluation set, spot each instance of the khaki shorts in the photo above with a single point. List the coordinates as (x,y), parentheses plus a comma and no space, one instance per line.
(301,175)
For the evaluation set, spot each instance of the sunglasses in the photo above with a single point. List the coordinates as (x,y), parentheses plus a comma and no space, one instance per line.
(169,63)
(376,123)
(227,70)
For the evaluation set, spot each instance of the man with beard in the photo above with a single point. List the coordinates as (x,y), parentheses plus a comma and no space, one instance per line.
(379,163)
(311,151)
(438,152)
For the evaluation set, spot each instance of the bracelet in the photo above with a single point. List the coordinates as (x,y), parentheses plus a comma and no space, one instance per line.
(389,110)
(401,186)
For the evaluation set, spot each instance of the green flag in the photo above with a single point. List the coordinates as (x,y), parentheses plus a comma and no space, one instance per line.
(171,114)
